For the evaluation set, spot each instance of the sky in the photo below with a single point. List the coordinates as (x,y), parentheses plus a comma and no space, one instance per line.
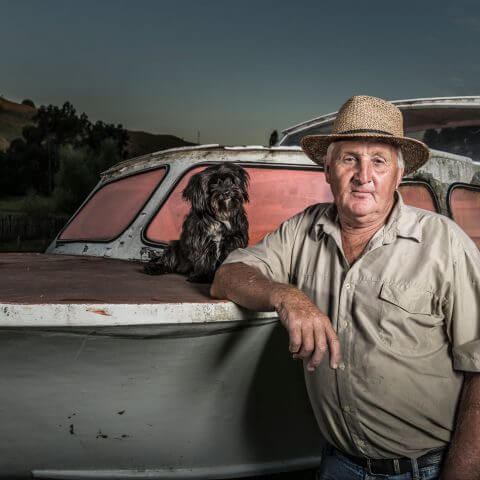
(231,72)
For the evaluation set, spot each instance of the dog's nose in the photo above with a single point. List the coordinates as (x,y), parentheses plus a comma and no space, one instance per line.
(225,193)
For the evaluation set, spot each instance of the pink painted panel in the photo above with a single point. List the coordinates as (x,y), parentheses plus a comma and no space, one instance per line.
(275,195)
(418,195)
(112,208)
(465,208)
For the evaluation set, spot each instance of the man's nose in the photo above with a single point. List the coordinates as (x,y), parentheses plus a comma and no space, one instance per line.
(364,171)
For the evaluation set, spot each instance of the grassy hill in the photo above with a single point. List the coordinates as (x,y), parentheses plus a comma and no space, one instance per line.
(14,116)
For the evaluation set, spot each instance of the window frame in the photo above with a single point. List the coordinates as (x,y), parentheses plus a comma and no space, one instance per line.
(59,241)
(452,187)
(413,181)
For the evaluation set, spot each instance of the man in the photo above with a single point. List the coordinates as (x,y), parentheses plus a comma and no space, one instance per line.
(391,291)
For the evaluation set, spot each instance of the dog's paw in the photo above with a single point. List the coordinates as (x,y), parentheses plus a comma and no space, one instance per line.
(153,268)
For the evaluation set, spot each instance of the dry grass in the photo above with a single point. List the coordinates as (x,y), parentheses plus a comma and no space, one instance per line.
(8,106)
(28,204)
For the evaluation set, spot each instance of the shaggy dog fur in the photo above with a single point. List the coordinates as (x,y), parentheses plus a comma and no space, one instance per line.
(216,224)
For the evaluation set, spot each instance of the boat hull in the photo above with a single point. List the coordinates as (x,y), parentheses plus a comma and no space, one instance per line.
(171,401)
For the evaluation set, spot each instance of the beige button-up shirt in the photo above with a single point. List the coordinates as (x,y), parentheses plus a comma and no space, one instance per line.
(407,314)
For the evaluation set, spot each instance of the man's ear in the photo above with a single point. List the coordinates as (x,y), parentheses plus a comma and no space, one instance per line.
(326,169)
(399,177)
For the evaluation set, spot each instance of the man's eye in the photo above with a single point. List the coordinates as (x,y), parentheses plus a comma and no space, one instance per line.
(349,159)
(379,161)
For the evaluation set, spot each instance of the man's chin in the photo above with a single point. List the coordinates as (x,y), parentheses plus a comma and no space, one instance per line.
(361,209)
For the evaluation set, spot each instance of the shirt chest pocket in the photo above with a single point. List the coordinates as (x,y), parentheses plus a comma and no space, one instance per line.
(411,300)
(407,319)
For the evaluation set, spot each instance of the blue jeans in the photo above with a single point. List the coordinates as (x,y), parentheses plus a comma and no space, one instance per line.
(337,467)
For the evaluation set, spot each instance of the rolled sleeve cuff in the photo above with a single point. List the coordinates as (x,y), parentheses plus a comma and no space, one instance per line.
(466,357)
(245,256)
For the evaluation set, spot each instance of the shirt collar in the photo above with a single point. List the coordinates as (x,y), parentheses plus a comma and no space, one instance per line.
(402,222)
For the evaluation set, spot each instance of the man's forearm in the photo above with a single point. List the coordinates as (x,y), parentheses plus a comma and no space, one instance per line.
(310,331)
(463,459)
(248,287)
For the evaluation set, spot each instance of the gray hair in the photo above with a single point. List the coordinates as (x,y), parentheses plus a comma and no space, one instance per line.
(328,155)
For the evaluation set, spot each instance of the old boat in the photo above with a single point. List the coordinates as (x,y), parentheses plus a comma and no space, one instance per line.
(109,373)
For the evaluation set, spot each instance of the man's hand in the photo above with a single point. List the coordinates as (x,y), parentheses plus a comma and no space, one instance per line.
(310,331)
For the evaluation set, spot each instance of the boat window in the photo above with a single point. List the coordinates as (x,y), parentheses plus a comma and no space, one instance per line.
(112,208)
(275,195)
(418,194)
(464,205)
(295,137)
(453,129)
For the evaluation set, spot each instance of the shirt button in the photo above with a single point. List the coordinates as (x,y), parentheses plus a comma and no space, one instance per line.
(342,366)
(347,286)
(347,408)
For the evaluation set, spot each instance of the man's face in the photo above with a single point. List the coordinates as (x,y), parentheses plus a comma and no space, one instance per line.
(363,177)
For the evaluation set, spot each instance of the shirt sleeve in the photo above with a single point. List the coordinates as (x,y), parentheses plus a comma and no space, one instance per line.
(272,255)
(465,306)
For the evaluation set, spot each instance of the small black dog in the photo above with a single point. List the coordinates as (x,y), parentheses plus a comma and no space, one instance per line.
(216,224)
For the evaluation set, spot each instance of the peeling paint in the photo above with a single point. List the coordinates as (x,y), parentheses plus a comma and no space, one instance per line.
(99,312)
(109,314)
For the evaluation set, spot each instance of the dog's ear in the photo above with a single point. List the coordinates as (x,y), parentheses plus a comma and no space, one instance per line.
(243,179)
(196,192)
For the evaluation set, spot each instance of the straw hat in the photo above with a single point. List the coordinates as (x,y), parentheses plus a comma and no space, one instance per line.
(369,117)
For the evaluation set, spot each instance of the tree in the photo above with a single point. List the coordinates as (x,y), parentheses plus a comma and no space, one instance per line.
(97,133)
(23,168)
(32,162)
(79,172)
(28,102)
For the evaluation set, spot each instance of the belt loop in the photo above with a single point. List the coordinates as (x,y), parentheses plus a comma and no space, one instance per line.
(369,466)
(415,472)
(396,466)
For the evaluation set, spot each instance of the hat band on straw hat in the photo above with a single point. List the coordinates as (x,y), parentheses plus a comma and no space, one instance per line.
(365,130)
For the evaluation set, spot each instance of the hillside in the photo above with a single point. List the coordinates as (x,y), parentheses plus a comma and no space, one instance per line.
(14,116)
(142,142)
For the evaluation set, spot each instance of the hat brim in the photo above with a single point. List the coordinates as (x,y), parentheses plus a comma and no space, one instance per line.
(415,153)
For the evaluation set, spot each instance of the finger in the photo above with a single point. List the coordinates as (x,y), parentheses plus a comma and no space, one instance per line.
(308,340)
(295,337)
(334,347)
(320,349)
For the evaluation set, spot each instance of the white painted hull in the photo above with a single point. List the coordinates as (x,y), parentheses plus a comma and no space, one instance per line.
(213,400)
